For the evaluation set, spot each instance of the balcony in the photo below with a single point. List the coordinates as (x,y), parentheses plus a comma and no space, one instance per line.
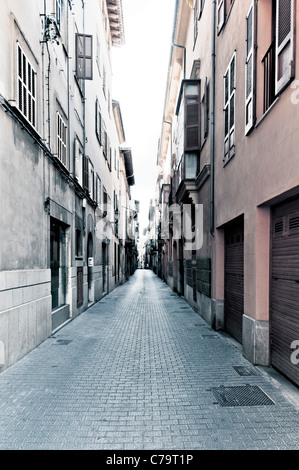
(188,170)
(269,77)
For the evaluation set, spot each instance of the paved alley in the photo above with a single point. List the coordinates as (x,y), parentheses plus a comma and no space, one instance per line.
(141,370)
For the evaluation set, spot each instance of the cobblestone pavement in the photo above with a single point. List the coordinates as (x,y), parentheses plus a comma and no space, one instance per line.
(138,370)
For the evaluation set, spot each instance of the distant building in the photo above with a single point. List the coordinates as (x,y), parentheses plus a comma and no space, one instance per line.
(228,150)
(62,176)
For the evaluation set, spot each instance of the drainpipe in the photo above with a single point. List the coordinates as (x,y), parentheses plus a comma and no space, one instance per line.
(212,148)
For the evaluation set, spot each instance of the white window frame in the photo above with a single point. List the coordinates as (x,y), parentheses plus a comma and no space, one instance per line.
(229,136)
(78,162)
(26,92)
(221,7)
(58,11)
(61,140)
(250,58)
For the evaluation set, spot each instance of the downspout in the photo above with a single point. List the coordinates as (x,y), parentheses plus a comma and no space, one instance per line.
(212,147)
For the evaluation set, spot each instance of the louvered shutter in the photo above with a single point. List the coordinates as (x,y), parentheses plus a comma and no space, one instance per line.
(249,70)
(85,171)
(96,118)
(76,158)
(284,43)
(221,14)
(192,122)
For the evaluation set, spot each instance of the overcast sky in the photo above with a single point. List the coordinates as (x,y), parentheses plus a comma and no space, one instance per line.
(139,83)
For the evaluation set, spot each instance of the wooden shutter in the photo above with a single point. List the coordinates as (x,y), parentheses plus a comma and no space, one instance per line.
(221,14)
(85,171)
(285,33)
(84,56)
(249,70)
(192,121)
(76,159)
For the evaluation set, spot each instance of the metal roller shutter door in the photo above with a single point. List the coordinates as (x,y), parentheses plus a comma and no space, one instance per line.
(234,281)
(284,319)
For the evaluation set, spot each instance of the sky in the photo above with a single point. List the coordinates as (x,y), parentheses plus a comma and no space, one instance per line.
(140,69)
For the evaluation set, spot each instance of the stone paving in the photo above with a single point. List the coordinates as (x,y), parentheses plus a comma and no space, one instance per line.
(137,371)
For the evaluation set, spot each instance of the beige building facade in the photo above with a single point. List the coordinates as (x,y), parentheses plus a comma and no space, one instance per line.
(62,174)
(236,138)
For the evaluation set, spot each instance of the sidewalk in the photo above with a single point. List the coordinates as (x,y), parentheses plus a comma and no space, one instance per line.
(141,370)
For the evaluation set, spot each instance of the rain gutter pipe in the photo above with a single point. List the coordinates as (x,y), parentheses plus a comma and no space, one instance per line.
(212,147)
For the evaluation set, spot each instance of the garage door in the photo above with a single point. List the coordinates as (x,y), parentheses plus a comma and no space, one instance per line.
(234,280)
(284,320)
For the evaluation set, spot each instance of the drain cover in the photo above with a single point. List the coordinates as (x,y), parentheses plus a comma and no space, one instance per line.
(63,341)
(245,371)
(244,395)
(210,336)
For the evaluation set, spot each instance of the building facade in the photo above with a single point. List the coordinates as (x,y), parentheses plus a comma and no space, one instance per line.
(228,168)
(63,172)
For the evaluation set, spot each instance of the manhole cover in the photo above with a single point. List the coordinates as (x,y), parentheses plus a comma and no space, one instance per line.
(210,336)
(245,371)
(63,341)
(244,395)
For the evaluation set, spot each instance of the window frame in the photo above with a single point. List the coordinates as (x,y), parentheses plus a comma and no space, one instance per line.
(82,75)
(250,56)
(227,108)
(30,102)
(61,139)
(289,74)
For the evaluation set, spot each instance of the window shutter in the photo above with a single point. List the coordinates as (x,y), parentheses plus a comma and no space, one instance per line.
(76,158)
(96,118)
(284,43)
(192,119)
(249,70)
(206,115)
(85,172)
(221,14)
(84,56)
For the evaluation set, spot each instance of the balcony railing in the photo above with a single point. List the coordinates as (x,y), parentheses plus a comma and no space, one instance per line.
(269,77)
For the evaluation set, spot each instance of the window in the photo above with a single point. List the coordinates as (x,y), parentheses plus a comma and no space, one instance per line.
(61,140)
(205,112)
(229,110)
(78,162)
(91,181)
(98,56)
(192,115)
(223,7)
(98,122)
(249,69)
(58,7)
(26,88)
(104,140)
(84,56)
(98,191)
(285,40)
(195,18)
(85,172)
(104,81)
(221,14)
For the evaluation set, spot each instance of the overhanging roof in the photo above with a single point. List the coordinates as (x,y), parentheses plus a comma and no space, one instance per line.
(115,14)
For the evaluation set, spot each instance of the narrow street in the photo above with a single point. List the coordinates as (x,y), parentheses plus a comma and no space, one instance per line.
(141,370)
